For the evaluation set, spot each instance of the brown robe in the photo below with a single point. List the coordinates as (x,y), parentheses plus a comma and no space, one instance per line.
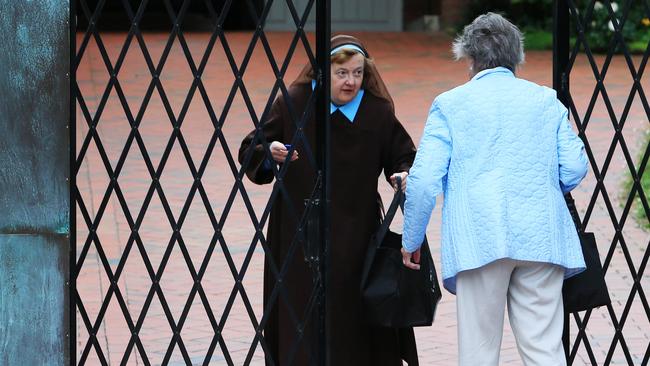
(360,151)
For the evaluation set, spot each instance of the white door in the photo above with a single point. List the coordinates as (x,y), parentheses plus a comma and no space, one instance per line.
(347,15)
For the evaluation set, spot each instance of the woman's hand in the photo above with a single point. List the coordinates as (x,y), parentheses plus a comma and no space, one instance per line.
(411,260)
(279,152)
(393,180)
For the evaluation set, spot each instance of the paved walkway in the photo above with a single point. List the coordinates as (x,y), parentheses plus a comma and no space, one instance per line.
(416,67)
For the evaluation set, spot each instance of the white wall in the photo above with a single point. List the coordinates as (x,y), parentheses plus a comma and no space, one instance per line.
(347,15)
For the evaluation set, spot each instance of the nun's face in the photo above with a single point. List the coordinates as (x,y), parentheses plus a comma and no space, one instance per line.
(346,79)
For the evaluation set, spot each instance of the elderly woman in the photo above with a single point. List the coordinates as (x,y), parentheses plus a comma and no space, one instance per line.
(502,152)
(366,140)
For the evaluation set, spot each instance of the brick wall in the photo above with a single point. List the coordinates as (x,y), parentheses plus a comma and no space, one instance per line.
(452,12)
(414,9)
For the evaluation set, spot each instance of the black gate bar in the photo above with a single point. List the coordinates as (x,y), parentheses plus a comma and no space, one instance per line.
(323,14)
(134,36)
(572,21)
(561,85)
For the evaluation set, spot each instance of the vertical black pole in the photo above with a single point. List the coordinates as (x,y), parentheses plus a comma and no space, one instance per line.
(561,50)
(72,127)
(323,143)
(561,85)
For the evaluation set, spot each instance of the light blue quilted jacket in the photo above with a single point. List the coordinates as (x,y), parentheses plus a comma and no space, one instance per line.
(502,152)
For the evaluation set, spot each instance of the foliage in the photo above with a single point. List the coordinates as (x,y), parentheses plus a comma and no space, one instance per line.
(537,39)
(537,14)
(535,18)
(599,25)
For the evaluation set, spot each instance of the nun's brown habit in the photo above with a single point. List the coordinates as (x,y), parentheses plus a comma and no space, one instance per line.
(360,151)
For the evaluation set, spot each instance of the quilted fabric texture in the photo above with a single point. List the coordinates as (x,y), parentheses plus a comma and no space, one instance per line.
(502,152)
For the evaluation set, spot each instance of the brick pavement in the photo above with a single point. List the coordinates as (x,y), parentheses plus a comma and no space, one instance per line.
(416,67)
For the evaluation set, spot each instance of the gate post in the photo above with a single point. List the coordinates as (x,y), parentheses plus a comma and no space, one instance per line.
(323,35)
(561,33)
(35,183)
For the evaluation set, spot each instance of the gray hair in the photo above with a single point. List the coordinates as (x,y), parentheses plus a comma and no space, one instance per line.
(490,41)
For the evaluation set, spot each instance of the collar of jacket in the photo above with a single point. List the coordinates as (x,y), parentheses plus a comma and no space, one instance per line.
(349,109)
(496,70)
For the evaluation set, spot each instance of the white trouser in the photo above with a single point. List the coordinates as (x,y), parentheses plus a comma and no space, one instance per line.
(533,292)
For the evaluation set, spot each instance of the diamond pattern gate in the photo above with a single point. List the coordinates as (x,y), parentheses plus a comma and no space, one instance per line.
(603,34)
(169,233)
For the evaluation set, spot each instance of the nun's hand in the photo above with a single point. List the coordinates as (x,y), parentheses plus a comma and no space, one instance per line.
(411,260)
(279,152)
(393,180)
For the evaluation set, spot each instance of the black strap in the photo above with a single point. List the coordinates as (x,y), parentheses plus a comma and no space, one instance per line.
(381,212)
(573,211)
(398,201)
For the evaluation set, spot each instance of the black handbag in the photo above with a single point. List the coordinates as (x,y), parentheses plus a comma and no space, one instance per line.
(392,294)
(588,289)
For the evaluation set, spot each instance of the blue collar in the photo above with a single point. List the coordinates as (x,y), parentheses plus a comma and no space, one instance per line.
(498,69)
(349,109)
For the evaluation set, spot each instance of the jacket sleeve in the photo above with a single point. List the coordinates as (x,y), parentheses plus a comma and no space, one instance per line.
(426,177)
(572,160)
(259,168)
(401,150)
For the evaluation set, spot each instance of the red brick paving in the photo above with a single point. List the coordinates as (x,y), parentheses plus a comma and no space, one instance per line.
(416,67)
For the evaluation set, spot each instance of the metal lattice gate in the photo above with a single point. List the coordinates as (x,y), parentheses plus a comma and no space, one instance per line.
(134,227)
(618,334)
(169,233)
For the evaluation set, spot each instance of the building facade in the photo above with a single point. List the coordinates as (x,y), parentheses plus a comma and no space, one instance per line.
(376,15)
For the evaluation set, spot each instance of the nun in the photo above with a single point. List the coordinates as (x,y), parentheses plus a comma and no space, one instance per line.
(367,140)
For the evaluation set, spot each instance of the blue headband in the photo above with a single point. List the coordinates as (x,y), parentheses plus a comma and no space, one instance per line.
(349,46)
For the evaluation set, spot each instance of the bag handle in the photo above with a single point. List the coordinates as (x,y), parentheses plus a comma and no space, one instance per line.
(573,211)
(381,232)
(398,201)
(381,211)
